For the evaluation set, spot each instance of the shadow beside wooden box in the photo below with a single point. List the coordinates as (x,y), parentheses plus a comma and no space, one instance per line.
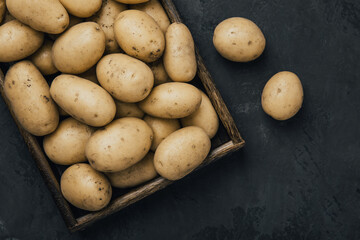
(227,140)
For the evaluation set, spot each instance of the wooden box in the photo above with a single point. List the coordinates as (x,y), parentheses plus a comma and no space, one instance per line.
(227,140)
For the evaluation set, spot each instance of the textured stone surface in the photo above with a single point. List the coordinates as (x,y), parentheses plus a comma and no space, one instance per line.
(298,179)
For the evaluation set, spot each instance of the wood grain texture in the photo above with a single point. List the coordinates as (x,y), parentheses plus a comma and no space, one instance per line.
(151,187)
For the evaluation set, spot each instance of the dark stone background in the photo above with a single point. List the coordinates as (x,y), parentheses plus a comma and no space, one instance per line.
(298,179)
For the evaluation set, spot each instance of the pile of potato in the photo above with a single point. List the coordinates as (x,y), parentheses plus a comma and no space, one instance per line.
(120,88)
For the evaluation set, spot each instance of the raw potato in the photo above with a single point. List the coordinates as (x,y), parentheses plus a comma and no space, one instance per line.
(85,188)
(172,100)
(160,75)
(42,59)
(82,8)
(119,145)
(139,35)
(29,97)
(79,48)
(156,11)
(126,78)
(90,75)
(72,22)
(24,41)
(106,18)
(161,128)
(7,17)
(43,15)
(66,145)
(205,117)
(131,1)
(62,112)
(181,152)
(127,110)
(2,9)
(282,96)
(239,39)
(137,174)
(83,100)
(179,56)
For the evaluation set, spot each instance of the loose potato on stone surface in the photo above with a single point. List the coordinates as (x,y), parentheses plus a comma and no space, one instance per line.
(139,35)
(79,48)
(85,188)
(282,96)
(181,152)
(84,100)
(82,8)
(119,145)
(18,41)
(179,56)
(137,174)
(66,145)
(42,59)
(29,97)
(239,39)
(172,100)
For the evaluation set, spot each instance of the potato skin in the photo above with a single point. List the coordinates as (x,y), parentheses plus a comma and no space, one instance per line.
(42,59)
(105,17)
(2,10)
(90,75)
(139,35)
(84,100)
(79,48)
(43,15)
(131,1)
(156,11)
(127,110)
(24,41)
(179,56)
(239,39)
(85,188)
(172,100)
(160,75)
(181,152)
(119,145)
(137,174)
(161,128)
(126,78)
(29,97)
(82,8)
(72,22)
(205,117)
(66,145)
(282,96)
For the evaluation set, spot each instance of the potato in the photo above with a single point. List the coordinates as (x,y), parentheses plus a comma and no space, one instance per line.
(282,96)
(156,11)
(205,117)
(172,100)
(82,8)
(66,145)
(139,35)
(43,15)
(239,39)
(29,97)
(106,18)
(127,110)
(90,75)
(160,75)
(2,10)
(83,100)
(161,128)
(42,59)
(181,152)
(125,78)
(137,174)
(62,112)
(85,188)
(79,48)
(7,17)
(72,22)
(131,1)
(119,145)
(179,56)
(18,41)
